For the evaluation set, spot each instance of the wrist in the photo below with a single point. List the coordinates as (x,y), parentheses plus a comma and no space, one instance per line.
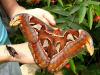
(16,10)
(23,53)
(4,54)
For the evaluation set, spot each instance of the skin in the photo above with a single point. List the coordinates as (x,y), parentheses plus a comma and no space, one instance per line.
(12,8)
(24,54)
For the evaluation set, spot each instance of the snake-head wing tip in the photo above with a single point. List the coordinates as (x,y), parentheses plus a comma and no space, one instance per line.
(90,47)
(89,42)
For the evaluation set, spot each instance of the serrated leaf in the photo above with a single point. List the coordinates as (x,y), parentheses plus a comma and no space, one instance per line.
(90,16)
(82,13)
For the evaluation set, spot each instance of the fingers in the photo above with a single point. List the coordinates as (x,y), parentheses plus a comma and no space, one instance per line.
(24,53)
(22,58)
(49,18)
(43,15)
(42,19)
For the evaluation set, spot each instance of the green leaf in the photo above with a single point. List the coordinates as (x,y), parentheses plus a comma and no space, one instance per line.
(57,10)
(79,0)
(82,13)
(61,2)
(90,16)
(48,3)
(81,67)
(61,20)
(93,69)
(98,25)
(97,9)
(72,65)
(80,56)
(96,34)
(93,3)
(74,9)
(71,23)
(65,71)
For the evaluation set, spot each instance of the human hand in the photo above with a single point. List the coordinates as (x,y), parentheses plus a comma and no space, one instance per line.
(41,14)
(23,54)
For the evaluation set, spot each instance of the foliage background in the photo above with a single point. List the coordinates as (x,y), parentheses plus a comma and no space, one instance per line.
(71,14)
